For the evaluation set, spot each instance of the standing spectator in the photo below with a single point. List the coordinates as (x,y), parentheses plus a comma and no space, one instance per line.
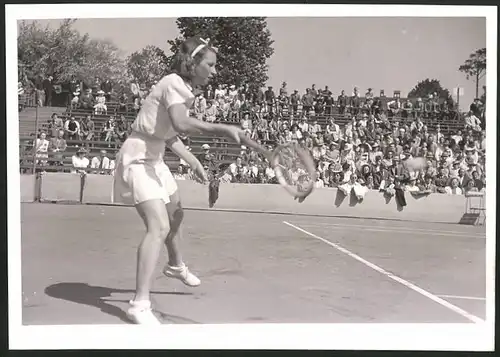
(72,128)
(394,107)
(314,92)
(369,99)
(355,102)
(342,102)
(294,102)
(270,98)
(107,88)
(477,108)
(47,88)
(75,101)
(307,102)
(328,101)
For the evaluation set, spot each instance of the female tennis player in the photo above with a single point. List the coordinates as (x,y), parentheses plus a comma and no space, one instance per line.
(143,179)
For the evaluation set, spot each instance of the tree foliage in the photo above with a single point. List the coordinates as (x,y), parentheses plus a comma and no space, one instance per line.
(64,53)
(475,67)
(244,44)
(430,86)
(147,66)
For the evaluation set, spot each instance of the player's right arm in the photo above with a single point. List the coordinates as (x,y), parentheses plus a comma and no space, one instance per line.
(182,123)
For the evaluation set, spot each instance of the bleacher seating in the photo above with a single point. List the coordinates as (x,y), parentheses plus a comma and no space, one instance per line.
(224,150)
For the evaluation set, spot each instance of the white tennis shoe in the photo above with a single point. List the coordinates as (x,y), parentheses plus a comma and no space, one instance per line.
(140,313)
(181,273)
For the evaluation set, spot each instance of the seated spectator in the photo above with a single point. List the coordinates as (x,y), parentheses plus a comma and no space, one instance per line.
(477,180)
(108,131)
(41,149)
(123,103)
(211,112)
(452,187)
(472,122)
(100,106)
(102,162)
(87,100)
(57,146)
(86,129)
(80,161)
(207,158)
(72,128)
(315,128)
(121,129)
(237,169)
(55,124)
(75,100)
(428,185)
(411,186)
(200,106)
(246,124)
(180,174)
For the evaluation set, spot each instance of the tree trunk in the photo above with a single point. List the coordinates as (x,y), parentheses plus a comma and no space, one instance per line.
(477,85)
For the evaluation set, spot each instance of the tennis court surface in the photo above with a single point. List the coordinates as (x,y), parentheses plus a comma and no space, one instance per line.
(78,267)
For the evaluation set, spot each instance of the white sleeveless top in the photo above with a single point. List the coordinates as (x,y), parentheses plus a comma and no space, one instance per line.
(153,118)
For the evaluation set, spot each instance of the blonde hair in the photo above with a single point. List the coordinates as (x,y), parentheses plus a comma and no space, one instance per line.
(190,54)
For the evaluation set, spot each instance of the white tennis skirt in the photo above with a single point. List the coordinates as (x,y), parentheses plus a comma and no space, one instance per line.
(140,173)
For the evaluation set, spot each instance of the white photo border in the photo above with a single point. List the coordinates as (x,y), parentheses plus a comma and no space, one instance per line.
(453,337)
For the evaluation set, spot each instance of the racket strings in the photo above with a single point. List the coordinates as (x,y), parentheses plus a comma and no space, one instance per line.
(293,168)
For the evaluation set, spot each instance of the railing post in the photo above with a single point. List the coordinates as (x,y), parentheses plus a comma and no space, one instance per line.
(83,180)
(38,187)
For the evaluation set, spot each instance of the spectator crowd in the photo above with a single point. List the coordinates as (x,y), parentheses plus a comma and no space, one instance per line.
(365,150)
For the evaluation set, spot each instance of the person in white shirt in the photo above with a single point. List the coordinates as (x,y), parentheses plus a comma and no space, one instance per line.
(42,149)
(472,122)
(452,188)
(101,162)
(143,179)
(319,182)
(79,161)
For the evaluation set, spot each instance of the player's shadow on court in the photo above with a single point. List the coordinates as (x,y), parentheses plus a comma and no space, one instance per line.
(95,296)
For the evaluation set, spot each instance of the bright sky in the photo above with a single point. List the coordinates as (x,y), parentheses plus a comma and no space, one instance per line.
(390,53)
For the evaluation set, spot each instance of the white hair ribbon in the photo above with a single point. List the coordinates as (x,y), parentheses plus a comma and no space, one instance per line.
(200,46)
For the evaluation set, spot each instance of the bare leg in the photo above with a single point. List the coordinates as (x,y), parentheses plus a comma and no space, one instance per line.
(175,215)
(155,218)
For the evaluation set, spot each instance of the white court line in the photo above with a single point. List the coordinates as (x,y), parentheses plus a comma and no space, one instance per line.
(462,297)
(394,277)
(464,233)
(403,230)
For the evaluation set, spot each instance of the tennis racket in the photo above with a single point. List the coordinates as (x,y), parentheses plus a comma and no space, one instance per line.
(293,166)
